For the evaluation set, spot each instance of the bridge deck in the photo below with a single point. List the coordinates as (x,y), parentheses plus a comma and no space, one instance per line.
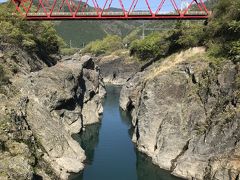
(116,15)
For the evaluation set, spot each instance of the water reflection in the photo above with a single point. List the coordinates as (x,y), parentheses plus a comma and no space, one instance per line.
(146,170)
(125,117)
(88,140)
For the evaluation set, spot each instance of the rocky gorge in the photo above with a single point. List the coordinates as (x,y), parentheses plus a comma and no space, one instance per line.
(186,115)
(116,69)
(40,110)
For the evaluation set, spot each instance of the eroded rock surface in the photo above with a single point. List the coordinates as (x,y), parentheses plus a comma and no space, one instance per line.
(49,106)
(116,69)
(186,115)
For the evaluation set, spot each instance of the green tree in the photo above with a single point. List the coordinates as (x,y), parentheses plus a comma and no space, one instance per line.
(154,45)
(33,36)
(109,44)
(161,44)
(223,31)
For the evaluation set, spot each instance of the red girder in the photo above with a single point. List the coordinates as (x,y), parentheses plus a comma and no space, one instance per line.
(81,10)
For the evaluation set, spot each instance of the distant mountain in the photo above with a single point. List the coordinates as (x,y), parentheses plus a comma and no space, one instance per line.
(82,32)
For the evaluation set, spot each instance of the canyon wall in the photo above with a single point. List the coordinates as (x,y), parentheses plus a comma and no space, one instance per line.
(41,111)
(186,115)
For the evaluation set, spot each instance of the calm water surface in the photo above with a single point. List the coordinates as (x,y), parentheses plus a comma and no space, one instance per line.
(111,155)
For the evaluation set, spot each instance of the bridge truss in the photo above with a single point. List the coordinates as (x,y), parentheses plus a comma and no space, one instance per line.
(93,10)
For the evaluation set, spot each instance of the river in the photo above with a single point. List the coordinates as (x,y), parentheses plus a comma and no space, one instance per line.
(111,155)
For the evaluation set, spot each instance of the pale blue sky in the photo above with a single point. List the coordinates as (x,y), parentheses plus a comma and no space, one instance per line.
(142,4)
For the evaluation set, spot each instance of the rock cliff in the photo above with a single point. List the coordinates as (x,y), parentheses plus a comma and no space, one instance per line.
(44,109)
(117,69)
(186,115)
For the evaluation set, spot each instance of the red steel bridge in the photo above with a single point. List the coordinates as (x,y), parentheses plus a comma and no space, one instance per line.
(107,9)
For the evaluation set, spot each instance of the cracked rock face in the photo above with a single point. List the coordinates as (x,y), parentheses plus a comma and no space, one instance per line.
(55,103)
(187,116)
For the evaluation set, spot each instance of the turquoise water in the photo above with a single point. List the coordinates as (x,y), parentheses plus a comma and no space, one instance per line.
(111,155)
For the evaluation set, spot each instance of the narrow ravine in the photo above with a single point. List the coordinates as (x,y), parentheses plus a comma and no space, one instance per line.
(110,151)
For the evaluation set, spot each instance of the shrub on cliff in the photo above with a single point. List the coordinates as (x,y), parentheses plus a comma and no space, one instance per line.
(223,31)
(109,44)
(189,34)
(48,38)
(154,45)
(133,35)
(161,44)
(33,36)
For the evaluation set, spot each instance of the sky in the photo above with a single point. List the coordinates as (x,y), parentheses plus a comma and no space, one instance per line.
(141,4)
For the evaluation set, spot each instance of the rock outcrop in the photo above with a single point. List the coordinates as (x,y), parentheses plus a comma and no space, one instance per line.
(117,69)
(38,120)
(186,115)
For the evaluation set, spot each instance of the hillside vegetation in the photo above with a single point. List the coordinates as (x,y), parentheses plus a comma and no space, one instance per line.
(33,43)
(32,36)
(81,33)
(109,44)
(223,31)
(220,35)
